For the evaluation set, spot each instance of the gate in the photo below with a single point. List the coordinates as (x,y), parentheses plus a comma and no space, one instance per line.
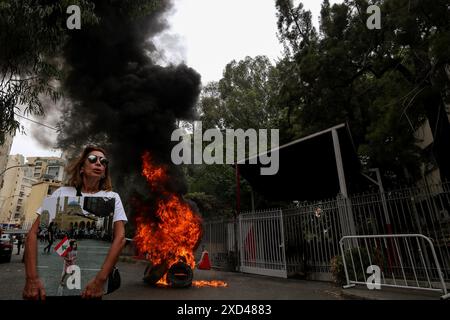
(261,243)
(302,240)
(219,240)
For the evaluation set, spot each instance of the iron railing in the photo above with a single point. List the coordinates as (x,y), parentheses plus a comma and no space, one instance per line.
(400,261)
(312,230)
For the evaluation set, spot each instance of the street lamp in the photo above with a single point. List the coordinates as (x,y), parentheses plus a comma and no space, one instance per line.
(18,166)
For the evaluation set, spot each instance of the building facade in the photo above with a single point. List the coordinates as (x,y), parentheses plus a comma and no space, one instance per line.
(430,169)
(5,148)
(39,191)
(47,168)
(17,183)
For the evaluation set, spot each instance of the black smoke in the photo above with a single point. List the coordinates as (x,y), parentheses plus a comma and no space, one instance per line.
(121,99)
(45,135)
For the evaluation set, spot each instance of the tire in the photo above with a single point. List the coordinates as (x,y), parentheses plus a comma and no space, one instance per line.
(153,274)
(180,275)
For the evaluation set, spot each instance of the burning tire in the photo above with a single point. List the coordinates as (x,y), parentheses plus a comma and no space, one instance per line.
(153,274)
(180,275)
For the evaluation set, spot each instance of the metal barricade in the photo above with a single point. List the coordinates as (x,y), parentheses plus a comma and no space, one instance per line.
(401,261)
(414,210)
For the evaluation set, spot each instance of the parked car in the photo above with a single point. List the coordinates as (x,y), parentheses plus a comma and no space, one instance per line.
(6,248)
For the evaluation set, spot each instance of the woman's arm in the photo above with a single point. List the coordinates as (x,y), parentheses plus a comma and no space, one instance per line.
(94,288)
(34,288)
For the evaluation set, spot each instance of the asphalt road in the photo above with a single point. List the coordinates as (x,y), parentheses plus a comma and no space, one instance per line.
(239,287)
(91,254)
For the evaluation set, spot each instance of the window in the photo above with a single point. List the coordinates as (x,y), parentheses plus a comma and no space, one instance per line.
(19,201)
(53,171)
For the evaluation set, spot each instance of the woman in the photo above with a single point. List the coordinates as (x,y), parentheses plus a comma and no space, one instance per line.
(88,176)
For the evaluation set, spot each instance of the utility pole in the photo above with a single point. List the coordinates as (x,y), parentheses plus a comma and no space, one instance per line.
(379,183)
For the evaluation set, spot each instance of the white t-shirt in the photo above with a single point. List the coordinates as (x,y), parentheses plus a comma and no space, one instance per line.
(119,212)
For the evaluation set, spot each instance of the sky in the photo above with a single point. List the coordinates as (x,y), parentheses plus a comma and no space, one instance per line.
(206,35)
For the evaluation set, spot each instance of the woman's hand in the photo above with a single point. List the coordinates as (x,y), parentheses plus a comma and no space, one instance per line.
(94,289)
(34,289)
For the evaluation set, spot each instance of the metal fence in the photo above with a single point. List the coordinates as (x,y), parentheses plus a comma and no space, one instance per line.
(311,230)
(312,235)
(261,243)
(219,240)
(401,261)
(419,210)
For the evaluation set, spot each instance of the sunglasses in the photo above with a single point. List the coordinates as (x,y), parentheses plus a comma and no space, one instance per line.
(93,159)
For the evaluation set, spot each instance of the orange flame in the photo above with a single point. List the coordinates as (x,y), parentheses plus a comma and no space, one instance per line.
(175,235)
(213,283)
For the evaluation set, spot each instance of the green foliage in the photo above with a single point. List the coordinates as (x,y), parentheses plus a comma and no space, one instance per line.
(241,99)
(208,205)
(384,83)
(212,188)
(357,261)
(381,82)
(247,97)
(337,271)
(32,34)
(141,8)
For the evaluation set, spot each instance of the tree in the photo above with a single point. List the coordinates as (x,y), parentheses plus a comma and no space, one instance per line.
(32,33)
(241,99)
(212,188)
(385,82)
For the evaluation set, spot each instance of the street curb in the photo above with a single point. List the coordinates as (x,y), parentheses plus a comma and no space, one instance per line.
(354,296)
(387,296)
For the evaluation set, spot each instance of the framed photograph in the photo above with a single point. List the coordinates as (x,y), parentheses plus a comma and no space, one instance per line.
(74,239)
